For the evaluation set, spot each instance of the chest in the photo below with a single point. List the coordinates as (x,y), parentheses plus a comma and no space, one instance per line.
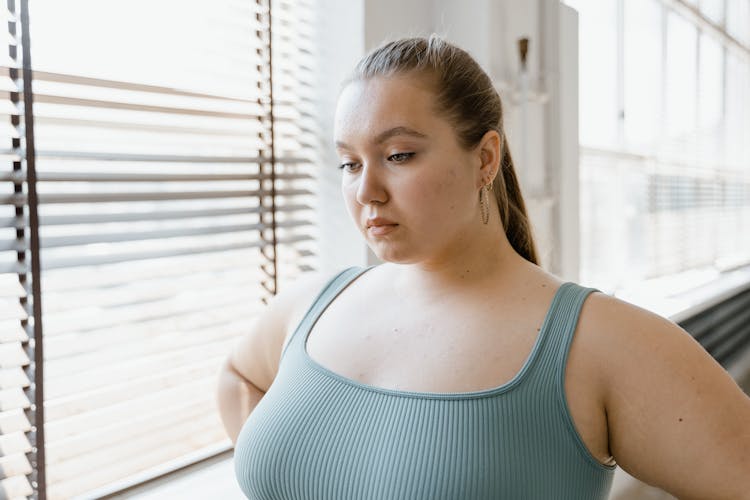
(453,347)
(447,348)
(412,447)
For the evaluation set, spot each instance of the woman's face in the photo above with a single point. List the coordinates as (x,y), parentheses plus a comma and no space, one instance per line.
(402,162)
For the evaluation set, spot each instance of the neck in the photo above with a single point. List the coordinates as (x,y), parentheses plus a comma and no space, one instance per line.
(488,259)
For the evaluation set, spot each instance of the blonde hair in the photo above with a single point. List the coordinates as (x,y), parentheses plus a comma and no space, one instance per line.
(466,96)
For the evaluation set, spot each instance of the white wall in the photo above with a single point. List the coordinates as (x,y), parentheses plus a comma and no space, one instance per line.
(389,19)
(340,33)
(543,135)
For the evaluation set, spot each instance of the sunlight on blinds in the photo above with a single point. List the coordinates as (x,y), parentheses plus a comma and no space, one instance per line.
(21,431)
(174,197)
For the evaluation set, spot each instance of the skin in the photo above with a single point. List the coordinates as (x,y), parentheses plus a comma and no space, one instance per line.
(640,389)
(433,195)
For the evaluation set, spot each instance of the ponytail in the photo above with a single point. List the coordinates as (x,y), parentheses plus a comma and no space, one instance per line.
(512,208)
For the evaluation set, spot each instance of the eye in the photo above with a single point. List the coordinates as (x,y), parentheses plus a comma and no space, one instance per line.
(348,167)
(400,157)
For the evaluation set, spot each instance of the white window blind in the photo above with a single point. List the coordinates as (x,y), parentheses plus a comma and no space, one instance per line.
(174,163)
(665,139)
(21,367)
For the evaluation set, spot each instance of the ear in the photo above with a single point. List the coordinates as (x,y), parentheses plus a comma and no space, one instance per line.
(489,153)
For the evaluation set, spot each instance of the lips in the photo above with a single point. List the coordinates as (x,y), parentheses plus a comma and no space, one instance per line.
(379,221)
(380,226)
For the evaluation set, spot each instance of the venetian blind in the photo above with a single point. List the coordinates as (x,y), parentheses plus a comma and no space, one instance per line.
(21,374)
(174,156)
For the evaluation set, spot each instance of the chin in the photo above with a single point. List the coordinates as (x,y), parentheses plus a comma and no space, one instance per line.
(391,255)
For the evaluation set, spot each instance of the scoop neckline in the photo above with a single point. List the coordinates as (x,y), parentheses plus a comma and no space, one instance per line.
(482,393)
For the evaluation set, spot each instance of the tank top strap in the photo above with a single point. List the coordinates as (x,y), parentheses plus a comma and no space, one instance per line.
(325,297)
(561,323)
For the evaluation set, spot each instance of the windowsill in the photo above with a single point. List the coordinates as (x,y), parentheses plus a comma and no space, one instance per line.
(210,478)
(680,296)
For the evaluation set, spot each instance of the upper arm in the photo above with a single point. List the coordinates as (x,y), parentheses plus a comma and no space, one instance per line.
(257,354)
(676,418)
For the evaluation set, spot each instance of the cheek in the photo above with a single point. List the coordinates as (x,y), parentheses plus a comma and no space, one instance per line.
(349,193)
(447,196)
(433,200)
(444,188)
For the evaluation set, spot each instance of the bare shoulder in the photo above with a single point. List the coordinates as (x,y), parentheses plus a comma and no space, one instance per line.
(676,419)
(257,354)
(621,335)
(298,299)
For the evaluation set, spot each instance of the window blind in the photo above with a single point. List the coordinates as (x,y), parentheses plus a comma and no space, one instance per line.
(174,170)
(21,368)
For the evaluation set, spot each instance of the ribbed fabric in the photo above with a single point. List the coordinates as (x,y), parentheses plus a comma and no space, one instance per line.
(318,435)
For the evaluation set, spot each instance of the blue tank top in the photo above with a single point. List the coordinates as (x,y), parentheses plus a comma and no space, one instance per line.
(318,435)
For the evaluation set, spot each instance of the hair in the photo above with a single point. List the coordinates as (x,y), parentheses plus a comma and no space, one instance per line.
(466,96)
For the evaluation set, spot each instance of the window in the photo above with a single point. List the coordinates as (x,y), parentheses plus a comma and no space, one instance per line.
(738,13)
(174,156)
(665,138)
(642,56)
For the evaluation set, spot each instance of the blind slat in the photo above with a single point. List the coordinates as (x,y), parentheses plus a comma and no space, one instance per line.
(14,421)
(14,465)
(88,218)
(11,309)
(20,222)
(153,158)
(16,487)
(19,176)
(12,332)
(79,410)
(112,258)
(120,370)
(13,377)
(146,108)
(47,76)
(13,399)
(158,234)
(58,198)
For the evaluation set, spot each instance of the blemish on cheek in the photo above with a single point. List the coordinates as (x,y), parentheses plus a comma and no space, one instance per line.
(680,419)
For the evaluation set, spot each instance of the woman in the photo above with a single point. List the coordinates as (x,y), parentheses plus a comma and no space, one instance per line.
(459,369)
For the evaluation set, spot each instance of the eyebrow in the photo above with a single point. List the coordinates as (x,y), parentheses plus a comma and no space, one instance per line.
(391,132)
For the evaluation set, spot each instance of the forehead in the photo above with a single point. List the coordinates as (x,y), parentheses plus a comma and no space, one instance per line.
(365,108)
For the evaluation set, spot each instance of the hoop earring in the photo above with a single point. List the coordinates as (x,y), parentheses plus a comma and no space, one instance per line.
(484,202)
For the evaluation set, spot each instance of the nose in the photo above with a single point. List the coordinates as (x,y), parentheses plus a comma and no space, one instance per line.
(371,188)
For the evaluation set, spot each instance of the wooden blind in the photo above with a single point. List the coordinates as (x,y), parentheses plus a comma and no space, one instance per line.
(175,195)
